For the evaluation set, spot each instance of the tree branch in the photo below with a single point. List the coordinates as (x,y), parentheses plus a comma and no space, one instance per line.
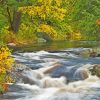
(9,17)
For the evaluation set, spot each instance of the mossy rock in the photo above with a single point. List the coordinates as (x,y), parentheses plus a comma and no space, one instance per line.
(95,70)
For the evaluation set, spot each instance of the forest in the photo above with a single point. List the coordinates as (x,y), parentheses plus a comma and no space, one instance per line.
(31,21)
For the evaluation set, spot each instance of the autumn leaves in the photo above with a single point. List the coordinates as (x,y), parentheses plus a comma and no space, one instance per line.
(5,68)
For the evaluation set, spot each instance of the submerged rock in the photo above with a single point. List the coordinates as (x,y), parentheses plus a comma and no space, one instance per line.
(47,82)
(81,73)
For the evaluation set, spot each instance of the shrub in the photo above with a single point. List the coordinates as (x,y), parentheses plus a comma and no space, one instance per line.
(7,36)
(26,34)
(5,68)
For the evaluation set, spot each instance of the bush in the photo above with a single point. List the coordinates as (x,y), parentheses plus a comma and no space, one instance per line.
(5,68)
(26,34)
(7,36)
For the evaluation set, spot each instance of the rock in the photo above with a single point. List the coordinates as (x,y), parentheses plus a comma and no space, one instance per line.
(95,70)
(53,82)
(50,69)
(81,74)
(85,53)
(19,67)
(11,44)
(25,74)
(90,53)
(41,40)
(98,55)
(93,54)
(84,74)
(17,70)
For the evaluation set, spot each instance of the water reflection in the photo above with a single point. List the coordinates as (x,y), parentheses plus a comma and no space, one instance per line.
(58,45)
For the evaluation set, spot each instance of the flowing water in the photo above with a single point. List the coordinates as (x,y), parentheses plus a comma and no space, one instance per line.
(55,73)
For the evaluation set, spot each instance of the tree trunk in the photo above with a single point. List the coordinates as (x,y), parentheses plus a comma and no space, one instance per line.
(9,18)
(15,21)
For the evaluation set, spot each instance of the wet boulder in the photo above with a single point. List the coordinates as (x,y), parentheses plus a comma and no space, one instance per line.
(85,53)
(95,70)
(81,74)
(90,53)
(22,73)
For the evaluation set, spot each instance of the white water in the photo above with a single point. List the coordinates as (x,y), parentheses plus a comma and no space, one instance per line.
(56,88)
(54,85)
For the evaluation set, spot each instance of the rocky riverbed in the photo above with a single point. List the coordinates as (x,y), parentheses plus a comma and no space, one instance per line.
(55,75)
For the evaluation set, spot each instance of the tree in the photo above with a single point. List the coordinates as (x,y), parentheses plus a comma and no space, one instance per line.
(8,9)
(84,17)
(43,13)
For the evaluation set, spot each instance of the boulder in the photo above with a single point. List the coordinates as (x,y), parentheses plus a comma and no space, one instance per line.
(90,53)
(24,74)
(11,44)
(95,70)
(81,74)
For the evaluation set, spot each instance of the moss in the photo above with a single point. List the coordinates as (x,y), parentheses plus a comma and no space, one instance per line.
(95,70)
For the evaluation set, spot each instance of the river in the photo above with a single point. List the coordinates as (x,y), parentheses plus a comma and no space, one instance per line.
(67,81)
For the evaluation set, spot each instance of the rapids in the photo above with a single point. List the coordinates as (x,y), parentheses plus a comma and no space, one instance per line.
(55,75)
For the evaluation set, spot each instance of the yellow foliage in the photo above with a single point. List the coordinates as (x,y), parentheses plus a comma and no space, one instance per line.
(76,36)
(48,29)
(45,10)
(26,34)
(58,2)
(45,2)
(8,36)
(5,66)
(73,34)
(58,13)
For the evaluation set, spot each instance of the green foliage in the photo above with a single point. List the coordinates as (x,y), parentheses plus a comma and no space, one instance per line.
(84,17)
(44,12)
(67,20)
(1,90)
(26,34)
